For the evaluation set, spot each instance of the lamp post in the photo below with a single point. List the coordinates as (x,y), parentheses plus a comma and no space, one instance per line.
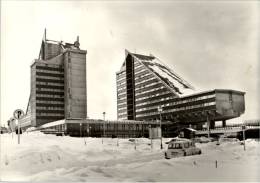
(151,136)
(244,136)
(160,111)
(80,130)
(104,118)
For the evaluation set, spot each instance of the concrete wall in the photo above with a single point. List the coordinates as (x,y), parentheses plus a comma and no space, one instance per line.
(230,103)
(238,102)
(33,95)
(51,50)
(75,84)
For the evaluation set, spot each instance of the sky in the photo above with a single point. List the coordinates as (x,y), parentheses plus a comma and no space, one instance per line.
(210,44)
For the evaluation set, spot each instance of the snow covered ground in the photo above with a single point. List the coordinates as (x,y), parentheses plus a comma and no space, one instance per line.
(42,157)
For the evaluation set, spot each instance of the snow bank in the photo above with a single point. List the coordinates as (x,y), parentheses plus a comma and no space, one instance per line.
(42,157)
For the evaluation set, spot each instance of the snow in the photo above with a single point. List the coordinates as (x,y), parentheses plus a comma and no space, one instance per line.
(180,86)
(42,157)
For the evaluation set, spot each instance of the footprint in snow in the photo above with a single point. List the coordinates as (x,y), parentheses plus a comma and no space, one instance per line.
(42,161)
(6,160)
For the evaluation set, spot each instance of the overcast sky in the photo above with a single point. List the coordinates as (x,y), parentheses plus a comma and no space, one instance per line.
(209,44)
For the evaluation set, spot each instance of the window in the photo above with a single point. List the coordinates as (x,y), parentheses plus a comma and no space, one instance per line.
(170,146)
(177,146)
(186,145)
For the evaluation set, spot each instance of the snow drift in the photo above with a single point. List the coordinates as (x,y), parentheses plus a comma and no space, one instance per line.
(42,157)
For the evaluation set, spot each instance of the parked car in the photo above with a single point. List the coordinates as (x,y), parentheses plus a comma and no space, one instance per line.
(204,139)
(181,147)
(176,139)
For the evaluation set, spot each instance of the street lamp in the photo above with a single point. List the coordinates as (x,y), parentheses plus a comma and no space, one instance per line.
(160,111)
(104,118)
(243,131)
(80,129)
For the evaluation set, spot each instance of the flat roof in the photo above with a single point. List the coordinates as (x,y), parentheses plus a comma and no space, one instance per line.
(98,121)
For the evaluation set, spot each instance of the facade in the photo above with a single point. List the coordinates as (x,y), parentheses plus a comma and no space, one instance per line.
(147,88)
(101,128)
(58,84)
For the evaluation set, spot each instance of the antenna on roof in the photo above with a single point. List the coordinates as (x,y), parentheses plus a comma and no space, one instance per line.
(135,50)
(76,43)
(44,36)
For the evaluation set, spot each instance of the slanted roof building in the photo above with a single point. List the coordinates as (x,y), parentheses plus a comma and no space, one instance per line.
(147,88)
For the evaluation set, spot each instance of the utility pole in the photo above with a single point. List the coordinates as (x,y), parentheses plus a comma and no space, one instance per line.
(80,130)
(208,126)
(104,118)
(244,136)
(151,136)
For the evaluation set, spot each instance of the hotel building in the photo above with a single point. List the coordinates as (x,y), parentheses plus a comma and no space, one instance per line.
(147,88)
(58,84)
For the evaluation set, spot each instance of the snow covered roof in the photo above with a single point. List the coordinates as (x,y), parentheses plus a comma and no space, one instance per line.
(178,85)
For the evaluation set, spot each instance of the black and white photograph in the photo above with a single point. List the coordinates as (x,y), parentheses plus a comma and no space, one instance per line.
(130,91)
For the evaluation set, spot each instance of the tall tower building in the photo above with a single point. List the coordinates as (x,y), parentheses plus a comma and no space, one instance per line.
(58,83)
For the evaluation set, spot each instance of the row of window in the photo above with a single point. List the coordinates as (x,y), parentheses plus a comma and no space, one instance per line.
(151,96)
(122,108)
(50,65)
(47,95)
(154,101)
(49,108)
(178,109)
(121,105)
(48,114)
(138,66)
(143,81)
(121,83)
(50,77)
(49,71)
(170,104)
(48,83)
(61,75)
(50,68)
(191,107)
(145,86)
(121,79)
(122,93)
(151,90)
(49,86)
(50,89)
(197,98)
(137,71)
(121,88)
(194,99)
(121,100)
(49,102)
(122,113)
(120,75)
(142,76)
